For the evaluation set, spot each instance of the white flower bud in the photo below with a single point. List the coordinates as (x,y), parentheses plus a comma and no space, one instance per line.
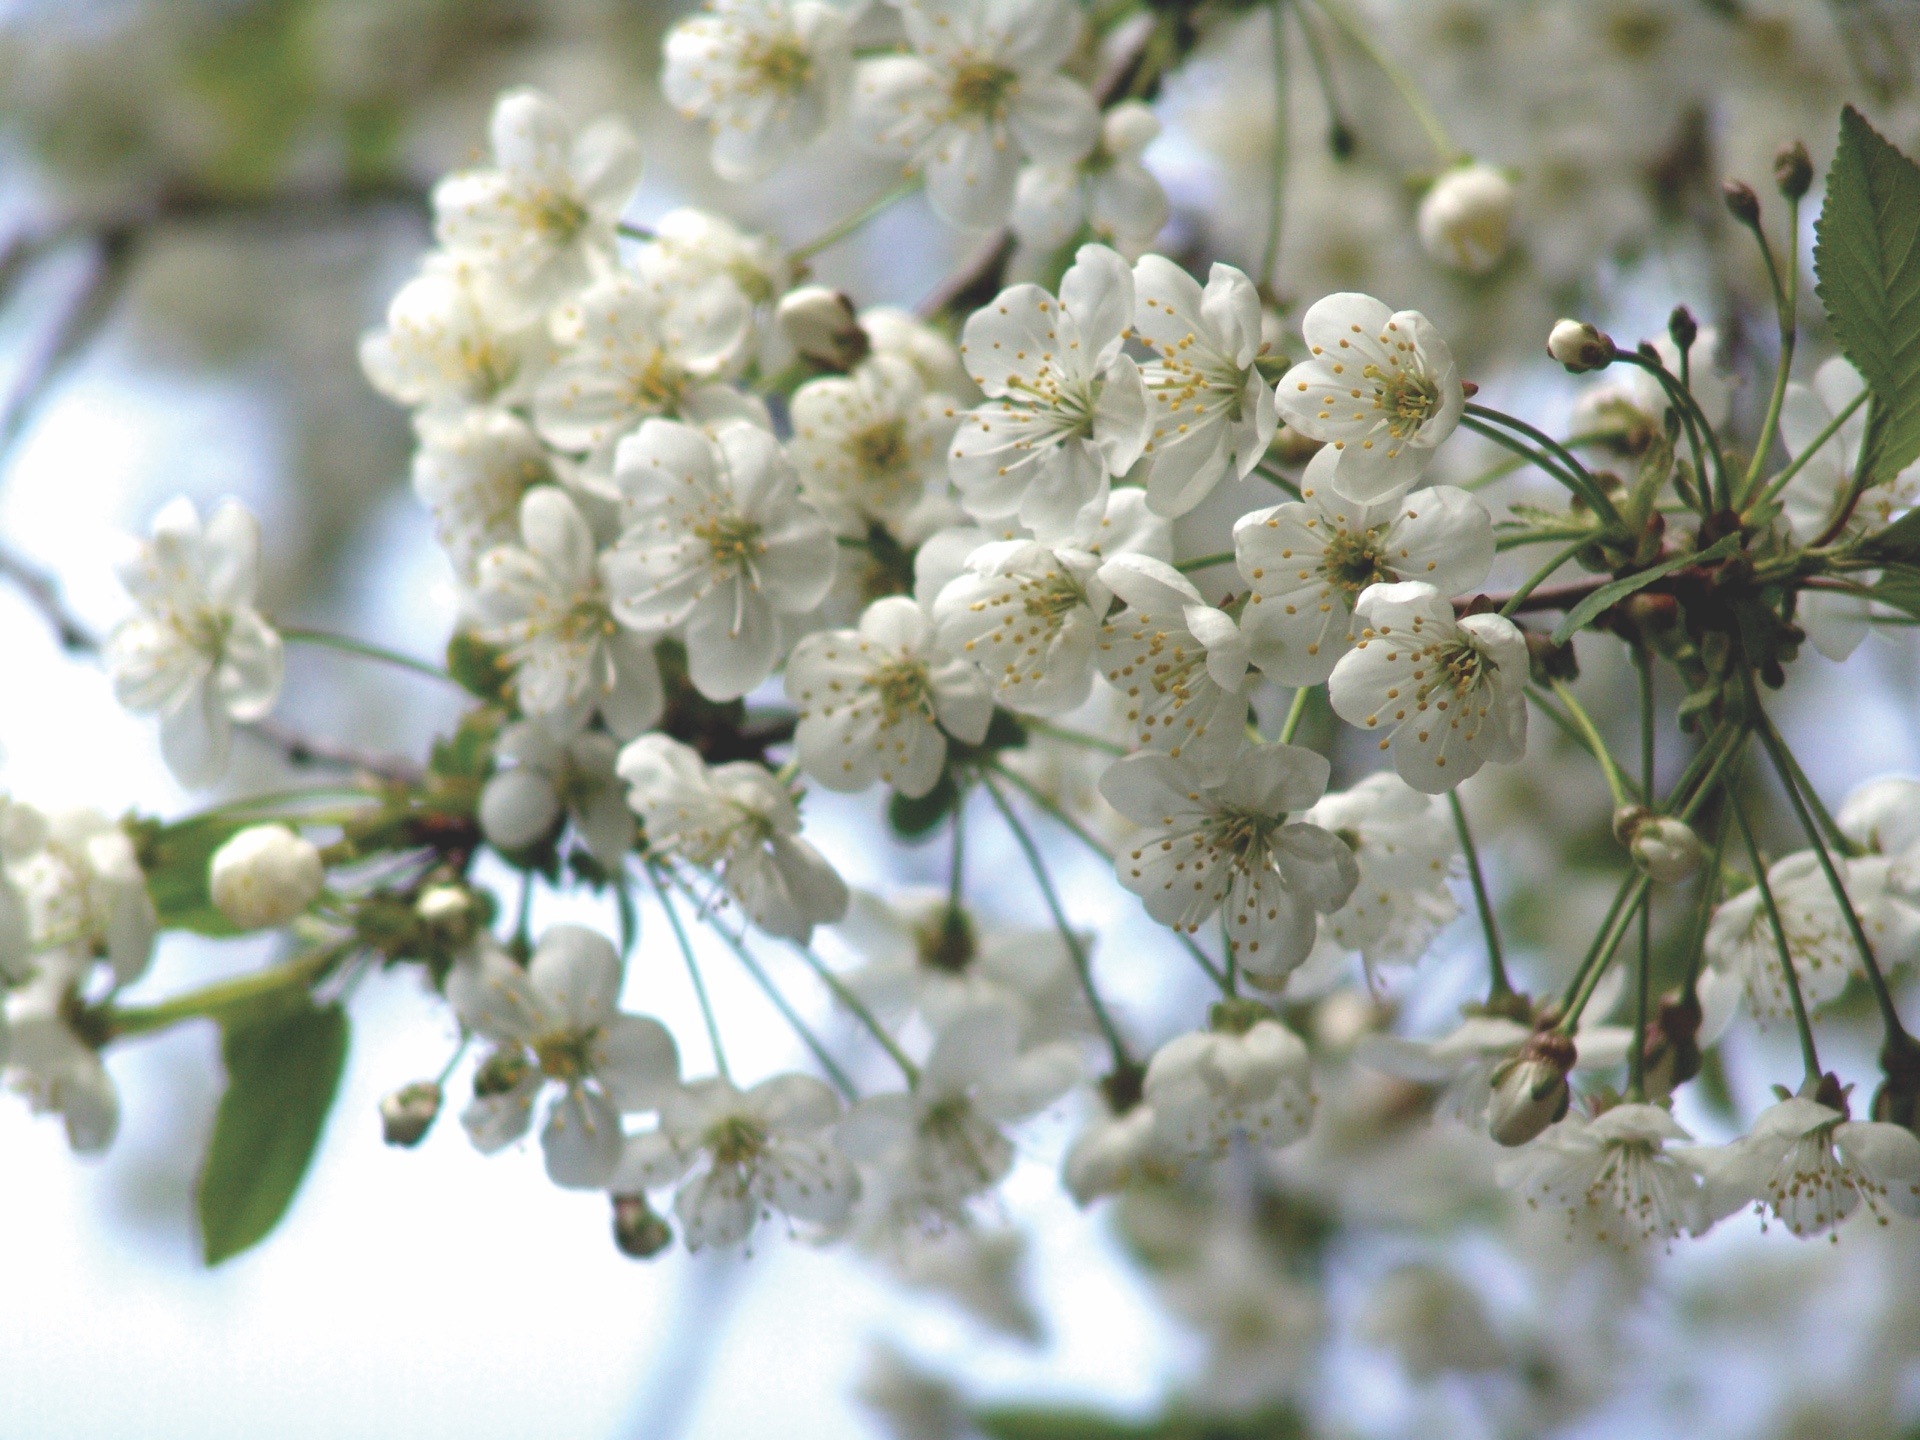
(820,324)
(1530,1091)
(446,906)
(264,876)
(1579,347)
(1129,128)
(409,1112)
(1667,849)
(1465,219)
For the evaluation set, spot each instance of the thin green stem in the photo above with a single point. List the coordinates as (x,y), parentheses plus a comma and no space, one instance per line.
(1277,180)
(1710,884)
(1832,428)
(1632,897)
(1296,712)
(634,232)
(1499,987)
(1072,737)
(1355,30)
(212,1002)
(1205,562)
(1786,299)
(845,226)
(1574,478)
(302,635)
(1231,982)
(1075,949)
(772,991)
(858,1008)
(1534,581)
(693,974)
(1643,979)
(1278,481)
(1339,130)
(957,856)
(1683,401)
(1791,780)
(1617,783)
(1809,1056)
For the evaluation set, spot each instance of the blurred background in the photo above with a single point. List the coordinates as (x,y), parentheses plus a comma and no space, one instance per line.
(202,205)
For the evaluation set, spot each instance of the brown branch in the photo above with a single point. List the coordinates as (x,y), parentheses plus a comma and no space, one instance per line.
(1558,597)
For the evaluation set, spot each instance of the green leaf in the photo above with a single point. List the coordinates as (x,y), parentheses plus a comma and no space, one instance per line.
(1898,543)
(283,1068)
(175,859)
(1610,595)
(1898,586)
(1866,258)
(915,819)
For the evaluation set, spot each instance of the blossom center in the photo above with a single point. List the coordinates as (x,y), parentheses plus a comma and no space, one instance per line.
(981,88)
(905,690)
(657,385)
(555,214)
(564,1055)
(1409,398)
(782,64)
(1240,837)
(736,1140)
(947,944)
(732,540)
(1352,561)
(881,450)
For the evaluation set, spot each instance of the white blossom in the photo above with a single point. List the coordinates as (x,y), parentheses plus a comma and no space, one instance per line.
(1741,942)
(1180,663)
(1233,844)
(1210,1087)
(1883,815)
(1613,1174)
(86,894)
(452,340)
(1448,694)
(1066,408)
(1466,218)
(715,539)
(560,1016)
(264,876)
(738,1154)
(764,74)
(870,444)
(541,219)
(552,774)
(981,89)
(905,336)
(23,834)
(692,246)
(941,1143)
(1108,190)
(471,471)
(737,820)
(541,602)
(877,703)
(1380,388)
(1213,414)
(1404,846)
(1030,615)
(641,345)
(51,1065)
(1307,561)
(1813,1167)
(1112,1150)
(197,653)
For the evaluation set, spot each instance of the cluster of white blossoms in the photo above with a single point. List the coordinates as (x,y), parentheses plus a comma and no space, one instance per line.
(1064,550)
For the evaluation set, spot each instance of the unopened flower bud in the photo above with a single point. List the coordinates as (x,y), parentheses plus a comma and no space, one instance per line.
(1666,849)
(1530,1091)
(820,324)
(1627,819)
(501,1073)
(265,876)
(445,907)
(1793,170)
(1128,128)
(409,1112)
(1742,203)
(637,1230)
(1579,346)
(1683,328)
(1466,217)
(1897,1101)
(1672,1045)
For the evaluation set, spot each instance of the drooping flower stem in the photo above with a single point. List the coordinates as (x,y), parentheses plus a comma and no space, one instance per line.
(1277,182)
(1075,949)
(693,974)
(1809,1056)
(210,1002)
(1546,452)
(1617,784)
(1626,904)
(1832,428)
(1499,987)
(1683,401)
(1710,885)
(1544,573)
(1791,780)
(838,1076)
(1355,30)
(326,639)
(847,224)
(1643,980)
(1295,713)
(1786,299)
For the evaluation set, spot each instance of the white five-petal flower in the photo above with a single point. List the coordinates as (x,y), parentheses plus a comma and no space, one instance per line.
(717,539)
(764,74)
(1234,844)
(559,1020)
(542,603)
(981,90)
(1380,388)
(737,820)
(1066,409)
(1813,1167)
(1306,562)
(197,654)
(471,470)
(1213,414)
(1614,1174)
(871,444)
(1208,1087)
(877,703)
(1109,190)
(1447,694)
(554,774)
(453,340)
(1405,846)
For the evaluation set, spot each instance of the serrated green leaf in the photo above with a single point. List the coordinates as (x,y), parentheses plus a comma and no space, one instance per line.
(1609,595)
(282,1071)
(1898,586)
(1866,260)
